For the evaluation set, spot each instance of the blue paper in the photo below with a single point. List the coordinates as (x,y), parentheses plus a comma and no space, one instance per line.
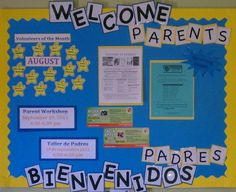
(172,91)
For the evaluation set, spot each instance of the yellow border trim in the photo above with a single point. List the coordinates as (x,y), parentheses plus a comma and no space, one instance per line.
(229,180)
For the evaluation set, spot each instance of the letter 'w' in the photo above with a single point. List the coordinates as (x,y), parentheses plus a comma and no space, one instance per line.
(60,11)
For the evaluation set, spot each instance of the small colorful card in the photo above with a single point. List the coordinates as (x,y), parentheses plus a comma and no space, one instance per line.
(110,117)
(126,138)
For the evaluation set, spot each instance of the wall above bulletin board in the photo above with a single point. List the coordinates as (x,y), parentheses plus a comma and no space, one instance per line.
(136,97)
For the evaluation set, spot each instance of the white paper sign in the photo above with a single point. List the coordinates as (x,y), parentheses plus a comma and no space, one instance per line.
(68,149)
(43,61)
(44,38)
(120,75)
(46,118)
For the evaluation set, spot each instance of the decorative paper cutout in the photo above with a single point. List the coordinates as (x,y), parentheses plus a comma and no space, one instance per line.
(209,33)
(49,179)
(38,49)
(83,65)
(62,173)
(31,77)
(126,18)
(55,49)
(122,179)
(18,52)
(55,7)
(195,33)
(223,35)
(187,174)
(93,11)
(162,15)
(19,89)
(171,176)
(203,156)
(18,70)
(78,83)
(49,74)
(153,175)
(181,35)
(137,33)
(97,186)
(189,155)
(79,15)
(109,170)
(149,154)
(138,183)
(218,154)
(153,37)
(147,7)
(175,158)
(69,69)
(78,180)
(71,53)
(112,21)
(203,61)
(168,34)
(40,89)
(61,86)
(31,172)
(163,155)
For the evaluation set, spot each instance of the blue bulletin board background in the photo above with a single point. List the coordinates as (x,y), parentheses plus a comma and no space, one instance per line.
(206,129)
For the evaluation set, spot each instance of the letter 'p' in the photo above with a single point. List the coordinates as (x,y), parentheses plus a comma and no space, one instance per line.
(148,154)
(137,33)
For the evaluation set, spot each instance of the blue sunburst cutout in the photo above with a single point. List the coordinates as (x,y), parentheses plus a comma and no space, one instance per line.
(203,61)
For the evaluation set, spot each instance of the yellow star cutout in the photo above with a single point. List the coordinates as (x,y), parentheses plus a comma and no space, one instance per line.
(18,70)
(49,74)
(61,86)
(38,50)
(83,65)
(19,89)
(55,49)
(18,52)
(31,77)
(69,70)
(40,89)
(71,53)
(78,83)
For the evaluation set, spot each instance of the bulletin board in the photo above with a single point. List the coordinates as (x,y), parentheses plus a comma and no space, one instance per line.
(74,85)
